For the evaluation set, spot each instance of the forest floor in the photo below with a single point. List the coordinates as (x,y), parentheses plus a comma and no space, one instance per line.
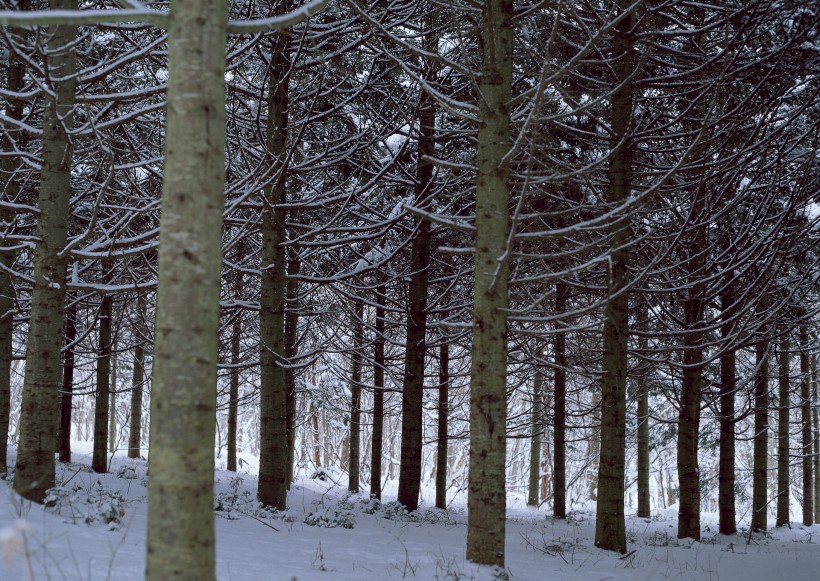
(95,529)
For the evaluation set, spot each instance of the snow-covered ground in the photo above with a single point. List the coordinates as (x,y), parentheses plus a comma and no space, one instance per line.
(73,541)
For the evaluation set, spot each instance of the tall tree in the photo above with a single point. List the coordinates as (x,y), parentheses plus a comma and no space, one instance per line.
(273,442)
(805,427)
(412,427)
(99,460)
(356,395)
(760,467)
(137,378)
(783,408)
(181,536)
(610,527)
(442,441)
(486,501)
(34,473)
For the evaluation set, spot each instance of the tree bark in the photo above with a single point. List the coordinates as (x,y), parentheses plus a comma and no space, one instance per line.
(112,405)
(356,395)
(67,391)
(233,391)
(784,359)
(761,438)
(443,420)
(412,429)
(610,527)
(642,380)
(726,469)
(273,436)
(536,433)
(181,536)
(137,377)
(15,71)
(34,473)
(99,458)
(486,500)
(805,427)
(378,397)
(291,335)
(559,504)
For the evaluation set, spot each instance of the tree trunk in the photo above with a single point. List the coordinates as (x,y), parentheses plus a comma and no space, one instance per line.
(816,445)
(356,395)
(181,537)
(112,406)
(291,332)
(137,377)
(642,380)
(443,420)
(486,500)
(782,516)
(805,427)
(412,429)
(726,470)
(378,398)
(15,71)
(233,390)
(761,438)
(99,459)
(610,527)
(67,391)
(536,433)
(34,473)
(273,436)
(559,504)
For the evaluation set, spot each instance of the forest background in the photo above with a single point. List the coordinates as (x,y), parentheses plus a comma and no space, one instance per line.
(525,232)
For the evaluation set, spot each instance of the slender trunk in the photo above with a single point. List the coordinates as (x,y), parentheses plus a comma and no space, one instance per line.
(761,438)
(536,433)
(233,390)
(412,429)
(112,406)
(486,499)
(610,527)
(291,331)
(594,447)
(816,439)
(378,398)
(273,440)
(726,470)
(137,377)
(805,427)
(443,419)
(356,395)
(642,380)
(559,499)
(34,473)
(784,359)
(99,459)
(67,391)
(181,535)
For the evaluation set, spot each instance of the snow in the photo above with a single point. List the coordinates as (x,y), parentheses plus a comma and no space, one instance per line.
(383,543)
